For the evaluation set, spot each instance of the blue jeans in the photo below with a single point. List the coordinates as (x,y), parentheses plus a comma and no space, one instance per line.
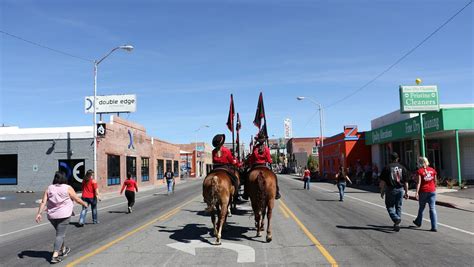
(306,182)
(170,185)
(341,187)
(430,198)
(93,203)
(393,202)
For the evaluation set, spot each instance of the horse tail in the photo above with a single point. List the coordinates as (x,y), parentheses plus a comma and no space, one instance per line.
(261,192)
(214,194)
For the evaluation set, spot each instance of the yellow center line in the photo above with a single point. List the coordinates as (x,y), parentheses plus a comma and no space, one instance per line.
(323,251)
(284,212)
(115,241)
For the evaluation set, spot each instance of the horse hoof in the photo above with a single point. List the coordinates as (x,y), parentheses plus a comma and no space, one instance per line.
(217,243)
(229,215)
(259,234)
(269,239)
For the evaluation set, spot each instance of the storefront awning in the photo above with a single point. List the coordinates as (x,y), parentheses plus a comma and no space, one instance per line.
(443,120)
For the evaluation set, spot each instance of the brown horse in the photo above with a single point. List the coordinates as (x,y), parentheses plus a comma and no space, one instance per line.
(217,190)
(262,190)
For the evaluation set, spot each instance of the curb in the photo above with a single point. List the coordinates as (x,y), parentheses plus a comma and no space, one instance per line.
(25,191)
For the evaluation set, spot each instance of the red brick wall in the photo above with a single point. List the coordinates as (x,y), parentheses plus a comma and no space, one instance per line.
(116,143)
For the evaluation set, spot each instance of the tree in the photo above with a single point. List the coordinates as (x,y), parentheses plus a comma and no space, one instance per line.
(312,163)
(275,158)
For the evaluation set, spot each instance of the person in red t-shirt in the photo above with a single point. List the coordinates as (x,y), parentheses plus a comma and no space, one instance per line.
(223,158)
(221,155)
(426,192)
(261,155)
(306,178)
(90,195)
(130,187)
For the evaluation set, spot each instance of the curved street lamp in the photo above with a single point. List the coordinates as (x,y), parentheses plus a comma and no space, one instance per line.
(196,147)
(320,108)
(128,48)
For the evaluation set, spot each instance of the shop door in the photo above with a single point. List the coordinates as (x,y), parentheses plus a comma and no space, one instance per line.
(434,157)
(132,166)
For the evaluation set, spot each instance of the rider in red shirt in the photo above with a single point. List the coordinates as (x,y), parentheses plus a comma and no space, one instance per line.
(223,158)
(261,155)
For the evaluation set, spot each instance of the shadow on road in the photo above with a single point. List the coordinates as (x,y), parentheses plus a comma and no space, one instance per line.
(197,231)
(35,254)
(327,200)
(379,228)
(117,211)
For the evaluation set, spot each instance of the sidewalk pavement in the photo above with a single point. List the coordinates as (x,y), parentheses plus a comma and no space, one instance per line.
(462,199)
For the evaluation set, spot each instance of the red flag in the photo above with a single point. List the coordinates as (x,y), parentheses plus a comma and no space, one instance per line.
(260,114)
(230,118)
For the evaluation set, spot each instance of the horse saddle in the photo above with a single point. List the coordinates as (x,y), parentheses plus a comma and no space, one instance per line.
(226,169)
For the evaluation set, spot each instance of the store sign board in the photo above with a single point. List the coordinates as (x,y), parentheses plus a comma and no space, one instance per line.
(432,122)
(415,99)
(111,104)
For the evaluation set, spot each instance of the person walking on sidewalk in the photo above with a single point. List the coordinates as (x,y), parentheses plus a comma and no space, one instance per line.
(306,178)
(169,181)
(341,178)
(130,187)
(58,198)
(90,194)
(426,192)
(394,185)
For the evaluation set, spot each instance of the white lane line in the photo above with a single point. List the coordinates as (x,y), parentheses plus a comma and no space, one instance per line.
(103,208)
(404,213)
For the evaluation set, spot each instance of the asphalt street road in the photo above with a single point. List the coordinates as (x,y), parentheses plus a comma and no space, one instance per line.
(310,228)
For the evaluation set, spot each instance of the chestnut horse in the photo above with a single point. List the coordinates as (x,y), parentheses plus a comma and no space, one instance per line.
(262,190)
(217,190)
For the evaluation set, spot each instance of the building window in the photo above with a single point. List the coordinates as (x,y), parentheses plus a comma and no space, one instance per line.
(132,166)
(113,170)
(160,167)
(176,168)
(8,169)
(145,169)
(169,166)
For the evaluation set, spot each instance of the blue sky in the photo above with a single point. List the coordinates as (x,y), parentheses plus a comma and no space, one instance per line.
(191,55)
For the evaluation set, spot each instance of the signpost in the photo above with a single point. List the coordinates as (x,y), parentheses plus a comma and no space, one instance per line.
(111,104)
(418,99)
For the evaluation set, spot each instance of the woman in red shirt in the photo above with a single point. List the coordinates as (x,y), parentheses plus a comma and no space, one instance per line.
(130,187)
(426,192)
(90,195)
(306,178)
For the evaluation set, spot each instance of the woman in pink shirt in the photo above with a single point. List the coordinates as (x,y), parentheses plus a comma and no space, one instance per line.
(58,199)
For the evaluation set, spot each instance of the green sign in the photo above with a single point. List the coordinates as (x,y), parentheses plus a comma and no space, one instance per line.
(444,120)
(414,99)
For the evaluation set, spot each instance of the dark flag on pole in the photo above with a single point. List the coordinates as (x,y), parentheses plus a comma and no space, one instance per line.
(230,118)
(237,128)
(263,131)
(260,114)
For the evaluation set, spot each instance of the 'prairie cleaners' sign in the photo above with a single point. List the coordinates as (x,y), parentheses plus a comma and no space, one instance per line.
(414,99)
(111,104)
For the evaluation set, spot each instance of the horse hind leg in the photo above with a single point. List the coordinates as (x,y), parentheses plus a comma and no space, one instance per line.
(220,222)
(269,226)
(213,219)
(258,224)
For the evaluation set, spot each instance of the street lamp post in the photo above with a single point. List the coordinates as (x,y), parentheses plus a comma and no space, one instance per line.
(196,147)
(321,134)
(128,48)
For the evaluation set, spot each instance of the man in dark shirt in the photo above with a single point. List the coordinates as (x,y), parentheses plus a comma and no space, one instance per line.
(170,181)
(394,185)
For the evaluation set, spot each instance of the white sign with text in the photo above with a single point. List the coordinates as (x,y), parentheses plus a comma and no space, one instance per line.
(111,103)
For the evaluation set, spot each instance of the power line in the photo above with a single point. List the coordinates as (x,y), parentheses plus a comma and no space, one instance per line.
(399,60)
(45,47)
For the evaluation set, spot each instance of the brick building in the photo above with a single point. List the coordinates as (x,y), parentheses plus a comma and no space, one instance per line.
(29,157)
(345,149)
(299,150)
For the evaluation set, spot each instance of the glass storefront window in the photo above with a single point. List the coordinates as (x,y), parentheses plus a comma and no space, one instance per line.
(160,169)
(145,169)
(113,170)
